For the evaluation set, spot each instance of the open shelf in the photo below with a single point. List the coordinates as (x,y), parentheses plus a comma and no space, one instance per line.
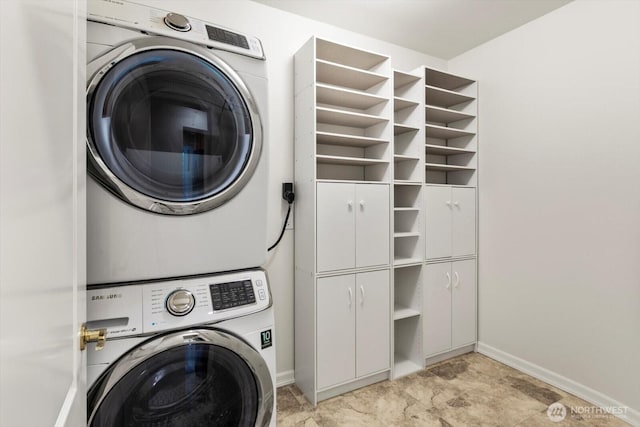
(347,118)
(444,98)
(351,56)
(402,312)
(403,366)
(334,95)
(402,79)
(347,140)
(399,129)
(401,103)
(445,115)
(400,209)
(342,75)
(406,234)
(407,182)
(445,80)
(441,132)
(402,158)
(445,150)
(447,168)
(349,161)
(399,262)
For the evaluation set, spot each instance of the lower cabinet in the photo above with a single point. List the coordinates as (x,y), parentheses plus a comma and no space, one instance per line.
(353,319)
(449,306)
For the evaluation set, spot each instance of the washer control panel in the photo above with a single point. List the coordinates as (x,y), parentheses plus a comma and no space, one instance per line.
(136,309)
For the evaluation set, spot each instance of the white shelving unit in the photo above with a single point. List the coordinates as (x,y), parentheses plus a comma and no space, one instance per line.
(450,214)
(450,128)
(344,161)
(408,237)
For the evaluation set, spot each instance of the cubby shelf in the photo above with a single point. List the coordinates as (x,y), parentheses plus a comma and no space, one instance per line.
(404,366)
(333,95)
(406,234)
(401,312)
(406,261)
(401,79)
(350,161)
(343,75)
(403,158)
(402,209)
(399,129)
(444,98)
(445,79)
(407,182)
(444,150)
(339,117)
(402,103)
(447,168)
(445,115)
(442,132)
(348,140)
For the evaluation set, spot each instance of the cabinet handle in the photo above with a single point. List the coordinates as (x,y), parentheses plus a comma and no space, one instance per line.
(350,297)
(457,277)
(362,292)
(448,285)
(448,202)
(362,204)
(456,203)
(350,204)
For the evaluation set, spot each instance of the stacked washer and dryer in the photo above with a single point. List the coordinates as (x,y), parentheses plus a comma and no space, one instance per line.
(176,222)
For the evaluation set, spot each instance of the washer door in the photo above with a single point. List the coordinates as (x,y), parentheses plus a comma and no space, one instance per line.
(191,378)
(171,128)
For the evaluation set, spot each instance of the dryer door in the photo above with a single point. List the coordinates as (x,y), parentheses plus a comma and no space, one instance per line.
(171,128)
(189,378)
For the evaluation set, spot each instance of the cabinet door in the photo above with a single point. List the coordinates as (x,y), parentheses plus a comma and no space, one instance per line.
(336,333)
(438,221)
(372,322)
(372,225)
(437,308)
(335,228)
(463,307)
(463,239)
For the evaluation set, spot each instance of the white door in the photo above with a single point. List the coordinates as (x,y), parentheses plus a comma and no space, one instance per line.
(372,225)
(336,333)
(42,212)
(437,308)
(463,306)
(463,239)
(335,226)
(438,224)
(372,322)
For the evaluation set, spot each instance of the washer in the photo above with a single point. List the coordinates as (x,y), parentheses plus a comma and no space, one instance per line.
(177,149)
(187,352)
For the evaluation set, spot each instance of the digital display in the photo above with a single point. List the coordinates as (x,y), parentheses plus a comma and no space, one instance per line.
(232,294)
(227,37)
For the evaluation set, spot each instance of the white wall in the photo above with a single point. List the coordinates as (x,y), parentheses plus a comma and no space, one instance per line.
(559,127)
(282,34)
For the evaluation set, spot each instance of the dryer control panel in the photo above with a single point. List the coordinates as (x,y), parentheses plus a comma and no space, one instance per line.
(151,20)
(142,308)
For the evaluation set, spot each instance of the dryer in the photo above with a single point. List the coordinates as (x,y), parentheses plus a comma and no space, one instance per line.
(189,352)
(177,150)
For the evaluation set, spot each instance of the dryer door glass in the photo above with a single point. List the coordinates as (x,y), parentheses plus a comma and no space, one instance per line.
(190,385)
(172,126)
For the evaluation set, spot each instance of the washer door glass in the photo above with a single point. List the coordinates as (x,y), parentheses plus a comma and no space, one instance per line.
(171,125)
(189,385)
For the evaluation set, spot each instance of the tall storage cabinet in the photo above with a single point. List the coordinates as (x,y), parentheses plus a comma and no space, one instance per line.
(450,204)
(343,173)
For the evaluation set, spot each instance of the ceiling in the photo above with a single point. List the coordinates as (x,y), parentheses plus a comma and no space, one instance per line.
(423,25)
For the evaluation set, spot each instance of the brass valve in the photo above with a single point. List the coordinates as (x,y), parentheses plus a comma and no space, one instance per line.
(99,336)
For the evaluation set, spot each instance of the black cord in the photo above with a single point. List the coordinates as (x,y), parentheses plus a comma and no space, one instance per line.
(284,227)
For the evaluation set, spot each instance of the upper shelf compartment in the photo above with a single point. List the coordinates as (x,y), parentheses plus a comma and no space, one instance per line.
(445,80)
(445,98)
(340,75)
(347,55)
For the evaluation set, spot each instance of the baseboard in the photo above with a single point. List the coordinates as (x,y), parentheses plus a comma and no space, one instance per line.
(285,378)
(632,416)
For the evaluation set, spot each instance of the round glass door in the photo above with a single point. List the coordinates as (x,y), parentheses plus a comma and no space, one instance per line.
(190,385)
(172,131)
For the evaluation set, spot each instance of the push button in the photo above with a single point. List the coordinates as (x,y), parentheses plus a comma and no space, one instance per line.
(261,294)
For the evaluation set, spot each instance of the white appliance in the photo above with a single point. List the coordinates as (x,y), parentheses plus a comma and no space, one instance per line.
(194,351)
(176,109)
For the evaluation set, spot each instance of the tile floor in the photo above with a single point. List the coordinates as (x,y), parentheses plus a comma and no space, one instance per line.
(469,390)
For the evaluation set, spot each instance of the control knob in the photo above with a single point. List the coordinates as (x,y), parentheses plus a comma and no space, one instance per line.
(180,302)
(177,22)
